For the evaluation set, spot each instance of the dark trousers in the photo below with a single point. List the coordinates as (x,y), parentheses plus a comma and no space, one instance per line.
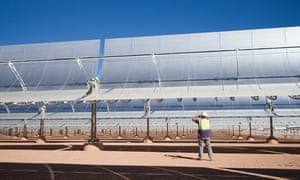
(205,142)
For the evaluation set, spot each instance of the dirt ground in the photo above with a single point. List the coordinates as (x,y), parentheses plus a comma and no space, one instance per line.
(240,165)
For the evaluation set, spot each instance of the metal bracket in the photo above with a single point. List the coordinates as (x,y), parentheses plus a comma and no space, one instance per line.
(17,75)
(42,110)
(147,107)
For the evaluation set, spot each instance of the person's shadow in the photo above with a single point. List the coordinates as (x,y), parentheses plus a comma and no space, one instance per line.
(184,157)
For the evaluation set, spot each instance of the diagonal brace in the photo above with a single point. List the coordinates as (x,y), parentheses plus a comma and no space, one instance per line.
(17,75)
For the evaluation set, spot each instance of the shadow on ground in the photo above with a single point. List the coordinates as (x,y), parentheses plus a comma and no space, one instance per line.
(75,172)
(162,148)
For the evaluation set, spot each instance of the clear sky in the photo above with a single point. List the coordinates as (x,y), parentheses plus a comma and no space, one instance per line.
(36,21)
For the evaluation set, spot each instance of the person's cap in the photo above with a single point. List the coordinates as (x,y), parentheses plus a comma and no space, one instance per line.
(204,114)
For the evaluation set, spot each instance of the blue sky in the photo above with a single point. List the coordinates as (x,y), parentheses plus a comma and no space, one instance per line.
(36,21)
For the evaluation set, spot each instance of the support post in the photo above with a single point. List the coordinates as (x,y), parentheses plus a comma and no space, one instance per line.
(42,127)
(272,139)
(66,132)
(93,144)
(42,113)
(93,123)
(148,128)
(167,137)
(167,129)
(240,137)
(239,129)
(17,132)
(42,138)
(147,108)
(148,138)
(271,126)
(250,129)
(25,131)
(177,135)
(270,110)
(136,132)
(250,137)
(119,132)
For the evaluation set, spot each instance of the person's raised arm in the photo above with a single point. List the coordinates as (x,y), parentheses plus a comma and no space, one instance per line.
(196,117)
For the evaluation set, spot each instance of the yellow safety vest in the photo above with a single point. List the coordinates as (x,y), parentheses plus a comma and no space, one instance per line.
(204,124)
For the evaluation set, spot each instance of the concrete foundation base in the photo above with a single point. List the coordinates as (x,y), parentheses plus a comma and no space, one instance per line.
(167,138)
(148,140)
(272,140)
(250,138)
(93,147)
(40,141)
(23,139)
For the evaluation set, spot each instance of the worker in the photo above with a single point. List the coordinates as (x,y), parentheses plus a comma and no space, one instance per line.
(204,134)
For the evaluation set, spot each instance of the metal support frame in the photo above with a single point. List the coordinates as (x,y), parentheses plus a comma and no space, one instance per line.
(66,131)
(167,137)
(25,128)
(239,130)
(148,128)
(42,111)
(17,75)
(250,137)
(270,111)
(250,129)
(94,123)
(25,131)
(177,132)
(147,108)
(136,132)
(271,128)
(120,131)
